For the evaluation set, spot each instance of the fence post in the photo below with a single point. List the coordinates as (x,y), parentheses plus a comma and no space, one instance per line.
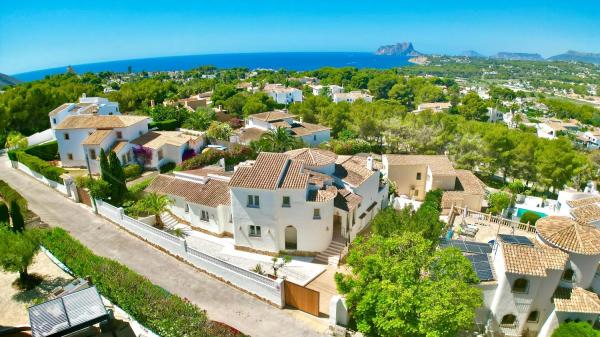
(279,285)
(121,212)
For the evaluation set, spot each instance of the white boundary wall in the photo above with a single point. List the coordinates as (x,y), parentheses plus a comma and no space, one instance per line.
(53,184)
(40,137)
(259,285)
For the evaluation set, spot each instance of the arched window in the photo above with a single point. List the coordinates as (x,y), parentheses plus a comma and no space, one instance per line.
(568,275)
(533,316)
(509,320)
(520,285)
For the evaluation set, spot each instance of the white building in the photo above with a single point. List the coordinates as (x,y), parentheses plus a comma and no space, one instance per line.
(494,115)
(552,128)
(592,138)
(303,200)
(351,97)
(282,94)
(161,147)
(200,198)
(530,286)
(434,106)
(257,124)
(331,89)
(98,106)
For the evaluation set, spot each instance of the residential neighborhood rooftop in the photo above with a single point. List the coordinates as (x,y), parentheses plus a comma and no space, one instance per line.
(570,235)
(212,193)
(156,139)
(533,260)
(99,122)
(313,157)
(576,300)
(265,173)
(97,137)
(439,164)
(271,116)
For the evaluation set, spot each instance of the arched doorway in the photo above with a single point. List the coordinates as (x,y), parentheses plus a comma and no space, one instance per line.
(291,238)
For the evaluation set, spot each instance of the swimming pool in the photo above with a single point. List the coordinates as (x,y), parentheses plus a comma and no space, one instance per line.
(521,211)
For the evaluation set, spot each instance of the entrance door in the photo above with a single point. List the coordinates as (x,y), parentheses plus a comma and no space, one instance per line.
(291,238)
(337,228)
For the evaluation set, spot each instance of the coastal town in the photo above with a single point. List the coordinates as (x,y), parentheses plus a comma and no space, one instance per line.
(236,169)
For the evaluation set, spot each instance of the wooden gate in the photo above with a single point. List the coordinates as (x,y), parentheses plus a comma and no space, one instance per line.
(301,298)
(84,196)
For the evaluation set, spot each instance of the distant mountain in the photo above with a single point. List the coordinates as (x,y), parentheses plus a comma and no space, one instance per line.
(573,55)
(6,80)
(471,53)
(398,49)
(503,55)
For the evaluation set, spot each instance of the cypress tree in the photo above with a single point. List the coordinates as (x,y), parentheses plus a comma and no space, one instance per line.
(4,215)
(104,166)
(117,179)
(18,223)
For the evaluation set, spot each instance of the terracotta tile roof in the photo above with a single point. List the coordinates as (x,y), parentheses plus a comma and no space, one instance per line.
(439,164)
(118,146)
(352,169)
(327,194)
(452,197)
(212,169)
(303,129)
(576,300)
(583,202)
(211,194)
(313,157)
(587,213)
(247,135)
(569,234)
(59,109)
(293,177)
(156,139)
(532,260)
(264,174)
(99,122)
(271,116)
(470,183)
(96,137)
(346,200)
(282,124)
(317,178)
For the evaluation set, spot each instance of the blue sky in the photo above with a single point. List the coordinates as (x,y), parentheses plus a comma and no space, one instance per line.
(43,34)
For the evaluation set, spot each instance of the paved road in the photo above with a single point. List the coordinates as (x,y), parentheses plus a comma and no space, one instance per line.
(222,302)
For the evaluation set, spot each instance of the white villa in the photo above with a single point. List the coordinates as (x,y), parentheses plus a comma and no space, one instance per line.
(82,131)
(495,115)
(532,284)
(551,128)
(282,94)
(332,89)
(97,106)
(306,201)
(257,124)
(592,138)
(351,97)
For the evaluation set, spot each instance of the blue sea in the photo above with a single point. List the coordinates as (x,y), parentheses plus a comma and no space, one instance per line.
(289,61)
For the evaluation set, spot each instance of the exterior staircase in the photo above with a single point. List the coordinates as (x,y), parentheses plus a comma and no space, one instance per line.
(168,220)
(331,255)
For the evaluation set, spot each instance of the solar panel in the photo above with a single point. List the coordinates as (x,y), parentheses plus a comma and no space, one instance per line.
(482,267)
(467,246)
(516,239)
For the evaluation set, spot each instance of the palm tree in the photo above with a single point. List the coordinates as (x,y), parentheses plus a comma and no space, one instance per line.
(151,203)
(279,140)
(15,140)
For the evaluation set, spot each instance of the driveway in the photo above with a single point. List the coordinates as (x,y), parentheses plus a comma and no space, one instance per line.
(222,302)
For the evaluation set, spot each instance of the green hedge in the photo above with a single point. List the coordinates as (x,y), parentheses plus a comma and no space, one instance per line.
(166,125)
(530,217)
(40,166)
(132,171)
(46,151)
(152,306)
(9,195)
(167,167)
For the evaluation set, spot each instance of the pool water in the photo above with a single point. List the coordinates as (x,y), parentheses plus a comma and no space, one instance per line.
(521,211)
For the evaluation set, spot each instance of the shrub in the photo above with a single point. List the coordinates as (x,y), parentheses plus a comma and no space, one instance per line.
(4,215)
(575,329)
(12,155)
(10,195)
(16,216)
(132,171)
(167,167)
(46,151)
(99,189)
(351,146)
(40,166)
(165,314)
(207,157)
(166,125)
(530,217)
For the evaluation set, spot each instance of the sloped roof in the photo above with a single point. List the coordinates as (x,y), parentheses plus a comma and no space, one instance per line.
(470,183)
(264,174)
(439,164)
(313,157)
(346,200)
(303,129)
(586,213)
(156,139)
(352,169)
(583,202)
(570,235)
(293,177)
(327,194)
(532,260)
(247,135)
(576,300)
(99,122)
(97,137)
(271,116)
(59,109)
(213,193)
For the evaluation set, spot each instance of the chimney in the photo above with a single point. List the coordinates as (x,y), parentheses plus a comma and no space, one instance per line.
(370,163)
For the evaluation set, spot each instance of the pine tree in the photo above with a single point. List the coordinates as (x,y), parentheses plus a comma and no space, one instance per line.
(4,214)
(104,166)
(18,223)
(117,179)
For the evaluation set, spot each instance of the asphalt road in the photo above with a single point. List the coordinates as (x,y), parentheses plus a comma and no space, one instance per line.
(222,302)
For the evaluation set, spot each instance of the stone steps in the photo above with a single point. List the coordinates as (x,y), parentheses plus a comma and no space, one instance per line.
(331,255)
